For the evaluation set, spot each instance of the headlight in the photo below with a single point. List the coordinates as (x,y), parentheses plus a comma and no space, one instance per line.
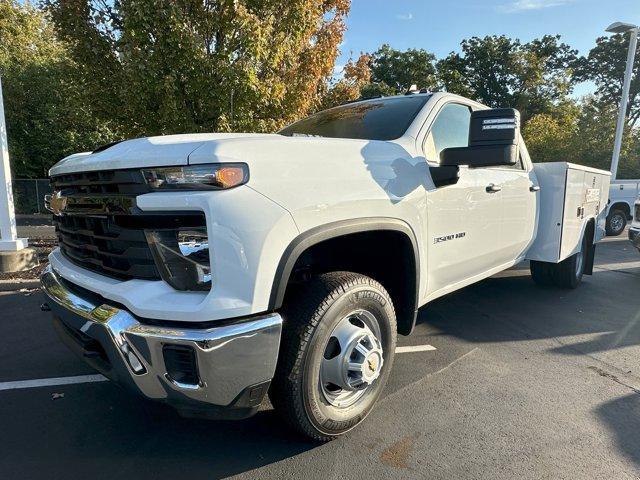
(182,257)
(210,176)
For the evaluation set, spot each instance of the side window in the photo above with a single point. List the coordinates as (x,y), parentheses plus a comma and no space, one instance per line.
(450,129)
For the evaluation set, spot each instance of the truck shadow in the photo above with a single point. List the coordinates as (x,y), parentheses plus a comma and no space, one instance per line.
(599,317)
(622,418)
(602,314)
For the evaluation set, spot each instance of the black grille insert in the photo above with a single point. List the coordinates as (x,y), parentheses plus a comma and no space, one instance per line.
(100,244)
(124,182)
(115,245)
(101,228)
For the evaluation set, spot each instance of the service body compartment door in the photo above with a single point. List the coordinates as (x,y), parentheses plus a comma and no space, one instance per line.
(573,216)
(570,196)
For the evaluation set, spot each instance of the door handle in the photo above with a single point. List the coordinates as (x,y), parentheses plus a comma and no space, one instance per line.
(534,188)
(492,188)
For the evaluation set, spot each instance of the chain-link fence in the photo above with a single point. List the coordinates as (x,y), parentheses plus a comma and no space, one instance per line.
(28,194)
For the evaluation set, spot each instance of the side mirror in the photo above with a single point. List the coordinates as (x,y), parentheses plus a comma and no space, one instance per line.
(493,140)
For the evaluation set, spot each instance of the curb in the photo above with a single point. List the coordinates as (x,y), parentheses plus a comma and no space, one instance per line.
(15,285)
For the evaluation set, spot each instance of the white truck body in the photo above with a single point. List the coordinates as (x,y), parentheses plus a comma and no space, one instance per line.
(622,196)
(304,191)
(634,229)
(569,194)
(624,193)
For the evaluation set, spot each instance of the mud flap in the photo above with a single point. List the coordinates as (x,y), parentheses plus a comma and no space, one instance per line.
(591,253)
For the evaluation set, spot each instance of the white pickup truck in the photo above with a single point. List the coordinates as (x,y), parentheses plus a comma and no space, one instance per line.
(208,270)
(634,230)
(622,196)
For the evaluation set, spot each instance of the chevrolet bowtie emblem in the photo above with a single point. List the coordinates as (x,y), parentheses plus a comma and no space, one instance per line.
(56,203)
(372,365)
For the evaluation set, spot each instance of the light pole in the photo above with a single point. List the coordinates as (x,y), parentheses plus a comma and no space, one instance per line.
(8,237)
(14,253)
(621,27)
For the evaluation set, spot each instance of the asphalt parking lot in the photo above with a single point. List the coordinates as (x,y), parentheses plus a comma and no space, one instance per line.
(524,382)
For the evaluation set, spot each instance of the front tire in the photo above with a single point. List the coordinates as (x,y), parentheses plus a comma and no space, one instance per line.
(616,223)
(336,354)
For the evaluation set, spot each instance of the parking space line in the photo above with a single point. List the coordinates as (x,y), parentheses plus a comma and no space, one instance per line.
(51,382)
(415,348)
(57,381)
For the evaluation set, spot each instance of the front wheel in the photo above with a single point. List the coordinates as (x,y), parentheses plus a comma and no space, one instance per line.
(616,223)
(336,354)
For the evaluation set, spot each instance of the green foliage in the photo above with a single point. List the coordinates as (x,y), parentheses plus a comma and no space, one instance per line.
(165,66)
(605,66)
(397,70)
(582,133)
(82,73)
(499,71)
(44,120)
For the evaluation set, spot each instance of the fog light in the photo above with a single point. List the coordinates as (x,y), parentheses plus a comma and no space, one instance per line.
(182,257)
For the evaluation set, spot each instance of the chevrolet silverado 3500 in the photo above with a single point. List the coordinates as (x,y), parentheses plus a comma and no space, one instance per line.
(210,270)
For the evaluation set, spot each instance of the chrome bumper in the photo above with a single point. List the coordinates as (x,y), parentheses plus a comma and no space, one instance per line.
(634,236)
(234,362)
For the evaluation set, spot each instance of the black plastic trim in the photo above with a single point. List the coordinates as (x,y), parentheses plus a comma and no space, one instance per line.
(333,230)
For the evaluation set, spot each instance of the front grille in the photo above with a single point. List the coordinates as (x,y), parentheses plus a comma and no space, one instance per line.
(100,244)
(101,228)
(637,215)
(105,182)
(116,245)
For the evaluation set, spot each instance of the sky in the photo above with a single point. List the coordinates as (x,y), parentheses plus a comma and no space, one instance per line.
(440,26)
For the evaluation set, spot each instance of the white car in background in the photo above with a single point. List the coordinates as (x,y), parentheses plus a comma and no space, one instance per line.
(622,196)
(634,230)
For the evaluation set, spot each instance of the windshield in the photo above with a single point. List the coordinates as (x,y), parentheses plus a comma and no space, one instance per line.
(381,119)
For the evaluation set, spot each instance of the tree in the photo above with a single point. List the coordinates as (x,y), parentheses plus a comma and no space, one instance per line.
(551,136)
(354,78)
(582,132)
(164,66)
(44,123)
(605,66)
(501,72)
(397,70)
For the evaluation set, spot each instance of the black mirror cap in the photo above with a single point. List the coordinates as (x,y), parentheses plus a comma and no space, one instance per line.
(444,175)
(497,126)
(480,156)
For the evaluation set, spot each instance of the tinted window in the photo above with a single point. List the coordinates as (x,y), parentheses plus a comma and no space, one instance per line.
(383,119)
(450,129)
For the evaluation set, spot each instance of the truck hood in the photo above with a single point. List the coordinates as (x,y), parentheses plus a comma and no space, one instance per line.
(146,152)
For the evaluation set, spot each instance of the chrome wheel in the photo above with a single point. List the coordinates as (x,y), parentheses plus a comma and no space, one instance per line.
(352,360)
(616,222)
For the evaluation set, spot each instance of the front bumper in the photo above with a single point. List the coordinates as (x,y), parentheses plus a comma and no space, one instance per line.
(634,236)
(219,371)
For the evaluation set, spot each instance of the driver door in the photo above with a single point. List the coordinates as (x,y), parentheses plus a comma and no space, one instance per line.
(464,220)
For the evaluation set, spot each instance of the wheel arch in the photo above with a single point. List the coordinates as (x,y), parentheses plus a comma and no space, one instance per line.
(344,229)
(623,206)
